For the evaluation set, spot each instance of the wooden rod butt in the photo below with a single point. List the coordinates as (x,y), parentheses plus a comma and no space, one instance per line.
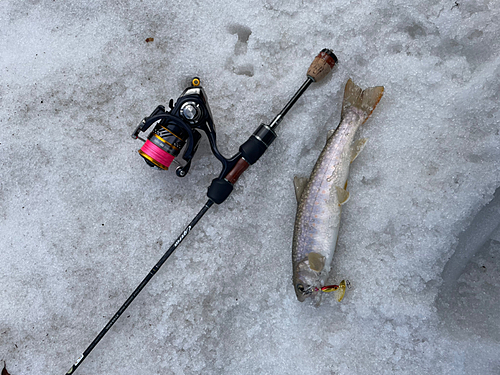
(322,65)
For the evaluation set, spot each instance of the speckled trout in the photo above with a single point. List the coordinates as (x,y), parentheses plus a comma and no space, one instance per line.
(321,196)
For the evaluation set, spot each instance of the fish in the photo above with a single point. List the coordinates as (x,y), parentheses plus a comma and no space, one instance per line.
(321,196)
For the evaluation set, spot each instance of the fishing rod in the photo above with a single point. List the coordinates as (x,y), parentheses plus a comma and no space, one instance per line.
(178,128)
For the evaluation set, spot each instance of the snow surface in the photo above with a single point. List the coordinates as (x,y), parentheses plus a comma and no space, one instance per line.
(83,219)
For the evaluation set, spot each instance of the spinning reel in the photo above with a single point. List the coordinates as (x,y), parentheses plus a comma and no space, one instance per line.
(179,126)
(175,127)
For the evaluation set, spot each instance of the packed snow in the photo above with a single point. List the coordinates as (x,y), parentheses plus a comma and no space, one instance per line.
(83,218)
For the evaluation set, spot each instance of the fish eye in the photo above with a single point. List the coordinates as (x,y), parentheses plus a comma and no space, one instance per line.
(300,288)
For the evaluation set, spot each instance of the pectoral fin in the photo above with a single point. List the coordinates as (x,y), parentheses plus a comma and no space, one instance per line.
(342,195)
(316,261)
(299,183)
(357,148)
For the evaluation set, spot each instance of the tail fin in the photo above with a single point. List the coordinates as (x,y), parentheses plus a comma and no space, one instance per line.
(366,100)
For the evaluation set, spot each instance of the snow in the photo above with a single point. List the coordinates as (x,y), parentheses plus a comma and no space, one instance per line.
(83,218)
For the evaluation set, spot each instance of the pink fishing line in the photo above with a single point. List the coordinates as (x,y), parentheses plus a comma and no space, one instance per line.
(162,157)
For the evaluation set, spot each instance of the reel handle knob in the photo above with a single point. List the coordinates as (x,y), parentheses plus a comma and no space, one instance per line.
(322,65)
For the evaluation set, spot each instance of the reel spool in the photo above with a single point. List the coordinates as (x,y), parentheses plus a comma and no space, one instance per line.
(163,145)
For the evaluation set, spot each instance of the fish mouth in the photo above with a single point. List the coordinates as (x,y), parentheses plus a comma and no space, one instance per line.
(304,293)
(301,297)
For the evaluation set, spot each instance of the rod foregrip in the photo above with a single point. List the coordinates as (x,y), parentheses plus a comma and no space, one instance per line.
(258,143)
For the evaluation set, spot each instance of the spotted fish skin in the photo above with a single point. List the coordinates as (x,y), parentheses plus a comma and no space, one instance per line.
(320,198)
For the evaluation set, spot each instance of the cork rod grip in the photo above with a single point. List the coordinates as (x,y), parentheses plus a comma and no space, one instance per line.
(322,65)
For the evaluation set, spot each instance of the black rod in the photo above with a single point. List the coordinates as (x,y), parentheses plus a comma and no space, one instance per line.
(141,286)
(290,104)
(319,68)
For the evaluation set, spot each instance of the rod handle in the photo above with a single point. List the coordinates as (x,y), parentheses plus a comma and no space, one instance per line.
(221,187)
(322,65)
(250,152)
(235,173)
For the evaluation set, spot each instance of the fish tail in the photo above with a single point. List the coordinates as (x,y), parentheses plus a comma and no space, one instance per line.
(366,100)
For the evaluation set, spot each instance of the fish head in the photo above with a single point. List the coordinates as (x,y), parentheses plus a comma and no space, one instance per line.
(304,291)
(307,283)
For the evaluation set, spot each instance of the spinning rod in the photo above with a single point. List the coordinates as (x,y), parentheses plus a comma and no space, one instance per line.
(178,128)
